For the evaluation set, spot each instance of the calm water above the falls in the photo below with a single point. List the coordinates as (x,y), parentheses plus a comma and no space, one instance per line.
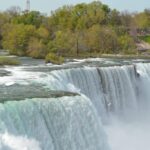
(90,104)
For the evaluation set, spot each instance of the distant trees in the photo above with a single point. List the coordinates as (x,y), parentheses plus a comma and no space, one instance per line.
(143,19)
(102,40)
(16,38)
(127,44)
(34,18)
(71,30)
(36,48)
(4,19)
(13,11)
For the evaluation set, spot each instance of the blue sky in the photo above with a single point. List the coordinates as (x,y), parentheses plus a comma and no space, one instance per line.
(47,5)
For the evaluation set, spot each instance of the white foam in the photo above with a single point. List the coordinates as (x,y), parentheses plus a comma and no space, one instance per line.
(9,83)
(19,76)
(12,142)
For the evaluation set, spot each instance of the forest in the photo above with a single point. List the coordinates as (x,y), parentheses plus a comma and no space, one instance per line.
(82,29)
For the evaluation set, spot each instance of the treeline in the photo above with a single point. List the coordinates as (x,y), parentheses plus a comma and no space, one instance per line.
(71,30)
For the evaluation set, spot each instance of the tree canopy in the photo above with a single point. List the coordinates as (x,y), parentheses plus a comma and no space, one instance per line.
(71,30)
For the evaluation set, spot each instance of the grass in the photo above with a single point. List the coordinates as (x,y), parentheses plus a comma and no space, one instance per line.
(145,38)
(114,56)
(8,61)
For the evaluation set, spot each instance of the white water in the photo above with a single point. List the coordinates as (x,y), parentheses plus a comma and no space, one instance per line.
(119,95)
(11,142)
(112,90)
(68,123)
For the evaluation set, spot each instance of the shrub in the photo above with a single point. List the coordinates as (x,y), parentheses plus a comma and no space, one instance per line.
(36,49)
(53,58)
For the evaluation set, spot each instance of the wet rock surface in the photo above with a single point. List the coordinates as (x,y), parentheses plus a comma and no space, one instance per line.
(21,92)
(4,72)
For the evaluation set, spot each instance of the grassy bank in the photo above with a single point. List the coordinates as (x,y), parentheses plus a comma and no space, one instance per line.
(126,56)
(8,61)
(145,38)
(115,56)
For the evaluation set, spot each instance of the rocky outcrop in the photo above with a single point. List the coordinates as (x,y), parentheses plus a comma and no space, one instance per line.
(143,46)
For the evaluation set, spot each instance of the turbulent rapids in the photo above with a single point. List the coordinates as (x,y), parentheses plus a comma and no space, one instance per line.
(94,108)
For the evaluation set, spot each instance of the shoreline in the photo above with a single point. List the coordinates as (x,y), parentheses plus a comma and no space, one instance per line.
(15,60)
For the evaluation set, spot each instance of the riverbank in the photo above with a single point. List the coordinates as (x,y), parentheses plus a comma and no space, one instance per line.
(24,60)
(5,60)
(116,56)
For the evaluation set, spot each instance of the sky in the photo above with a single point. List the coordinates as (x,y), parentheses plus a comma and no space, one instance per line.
(46,6)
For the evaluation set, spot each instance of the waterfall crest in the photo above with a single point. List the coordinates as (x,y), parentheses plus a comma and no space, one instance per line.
(117,90)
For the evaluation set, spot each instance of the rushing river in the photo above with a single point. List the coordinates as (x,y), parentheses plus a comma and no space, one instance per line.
(91,104)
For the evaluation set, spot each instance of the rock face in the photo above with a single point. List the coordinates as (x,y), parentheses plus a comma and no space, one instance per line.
(17,92)
(4,72)
(143,46)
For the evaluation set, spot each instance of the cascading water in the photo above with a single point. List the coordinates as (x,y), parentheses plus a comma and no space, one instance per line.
(113,90)
(68,123)
(118,95)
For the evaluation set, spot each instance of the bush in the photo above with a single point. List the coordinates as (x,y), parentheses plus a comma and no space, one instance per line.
(129,52)
(53,58)
(8,61)
(36,49)
(127,44)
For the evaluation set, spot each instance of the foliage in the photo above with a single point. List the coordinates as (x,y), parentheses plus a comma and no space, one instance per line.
(16,38)
(72,30)
(102,40)
(34,18)
(145,38)
(53,58)
(8,61)
(143,19)
(127,44)
(36,48)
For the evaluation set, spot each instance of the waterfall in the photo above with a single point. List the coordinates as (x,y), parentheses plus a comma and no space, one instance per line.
(112,100)
(68,123)
(117,90)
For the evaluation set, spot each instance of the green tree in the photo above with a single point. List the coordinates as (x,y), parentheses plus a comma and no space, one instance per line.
(102,40)
(63,43)
(143,19)
(71,30)
(4,19)
(127,44)
(114,18)
(16,38)
(34,18)
(36,48)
